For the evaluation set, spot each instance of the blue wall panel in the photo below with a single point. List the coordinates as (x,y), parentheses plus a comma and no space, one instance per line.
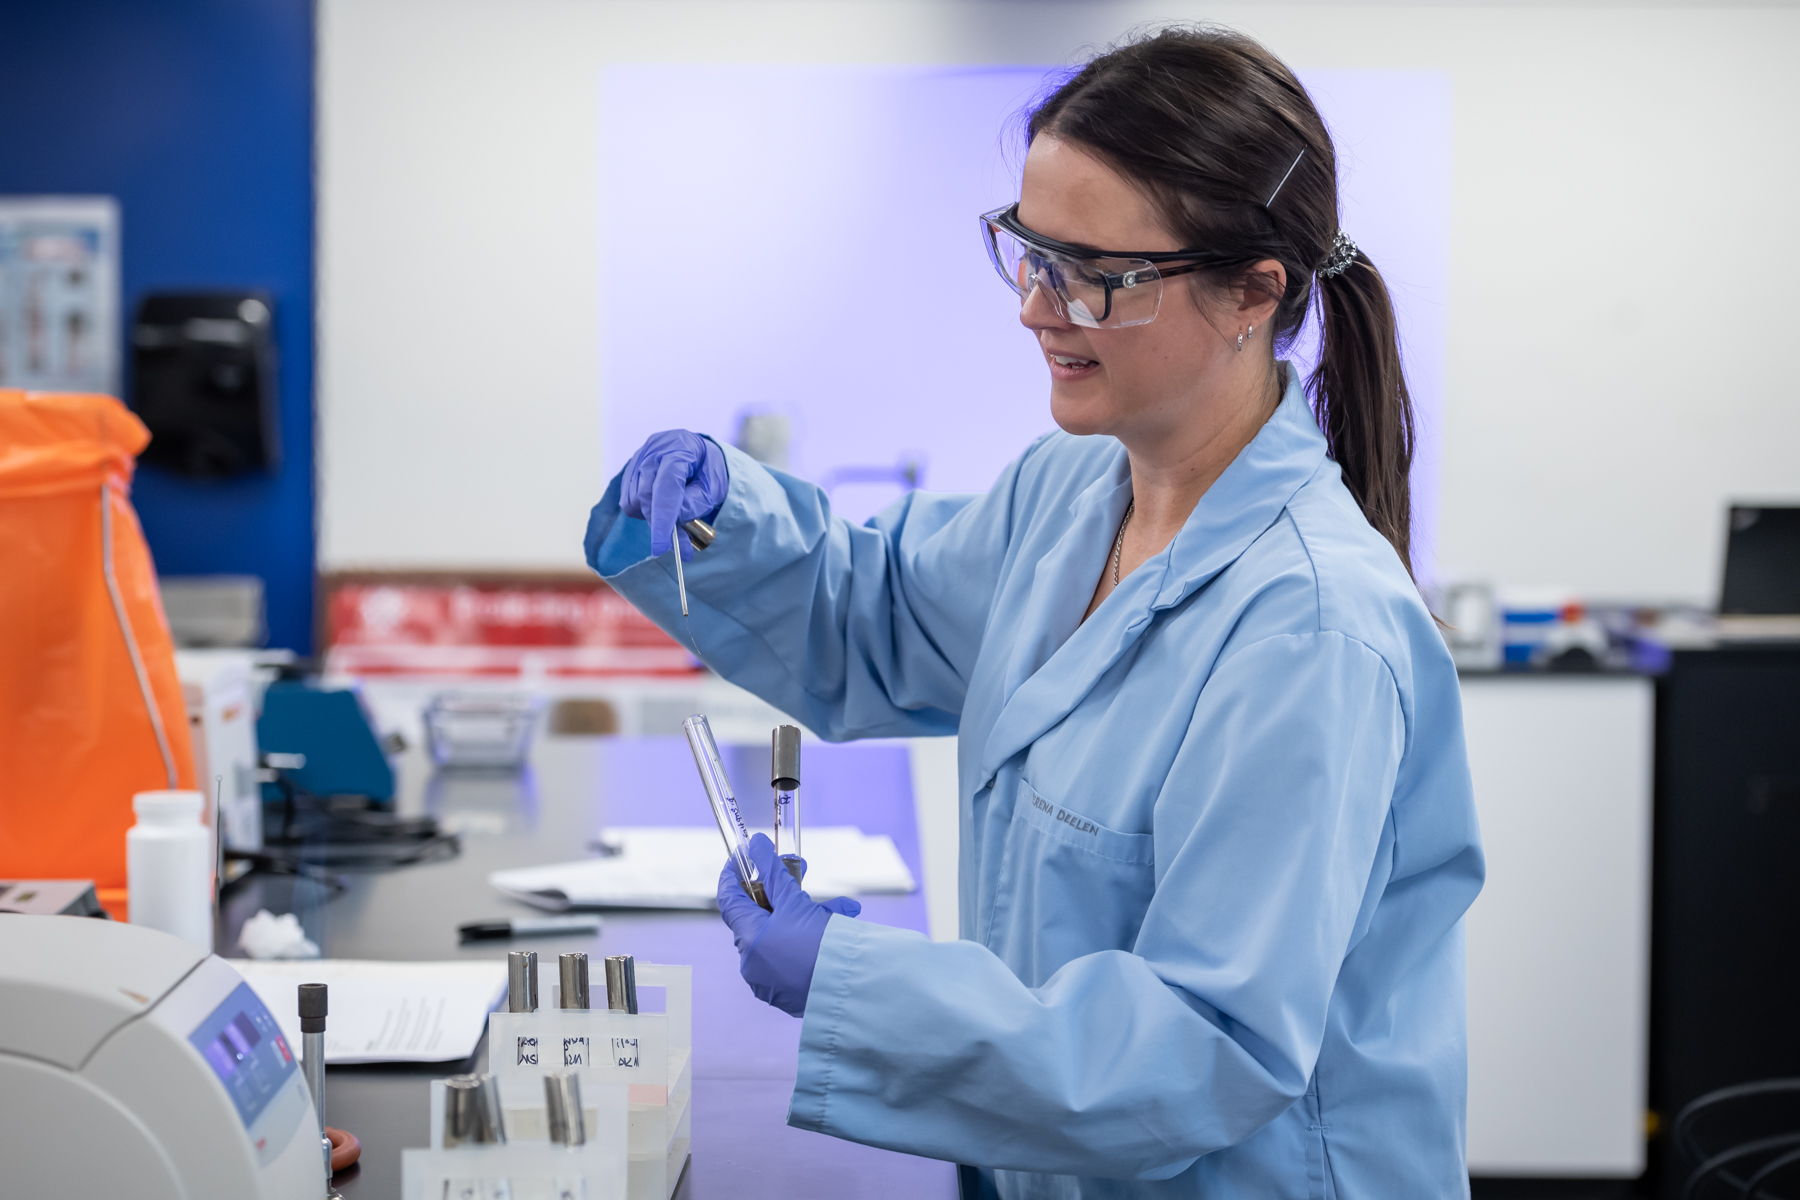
(198,116)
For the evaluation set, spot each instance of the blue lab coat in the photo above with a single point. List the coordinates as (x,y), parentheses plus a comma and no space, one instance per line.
(1217,840)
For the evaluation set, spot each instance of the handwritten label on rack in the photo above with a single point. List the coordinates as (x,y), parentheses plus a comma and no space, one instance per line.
(528,1054)
(625,1052)
(575,1052)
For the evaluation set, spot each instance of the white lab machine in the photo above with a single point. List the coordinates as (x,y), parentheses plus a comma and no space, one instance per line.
(136,1064)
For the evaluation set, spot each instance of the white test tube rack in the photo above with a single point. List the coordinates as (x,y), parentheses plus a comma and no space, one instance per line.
(524,1168)
(647,1057)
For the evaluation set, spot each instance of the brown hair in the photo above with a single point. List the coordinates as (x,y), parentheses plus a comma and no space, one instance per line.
(1210,124)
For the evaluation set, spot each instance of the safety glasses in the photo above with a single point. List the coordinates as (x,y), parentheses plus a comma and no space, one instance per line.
(1098,289)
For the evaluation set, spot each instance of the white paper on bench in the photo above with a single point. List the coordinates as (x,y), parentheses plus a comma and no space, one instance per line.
(678,867)
(385,1011)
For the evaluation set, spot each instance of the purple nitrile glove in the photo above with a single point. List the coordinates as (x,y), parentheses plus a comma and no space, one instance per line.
(675,476)
(777,950)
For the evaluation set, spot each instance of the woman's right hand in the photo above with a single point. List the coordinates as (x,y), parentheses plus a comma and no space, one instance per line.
(675,476)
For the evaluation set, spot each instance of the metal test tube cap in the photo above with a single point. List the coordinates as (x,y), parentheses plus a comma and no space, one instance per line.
(472,1113)
(621,983)
(314,1003)
(700,533)
(574,971)
(521,981)
(784,757)
(562,1099)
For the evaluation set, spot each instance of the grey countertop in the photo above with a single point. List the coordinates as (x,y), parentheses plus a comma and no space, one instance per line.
(744,1051)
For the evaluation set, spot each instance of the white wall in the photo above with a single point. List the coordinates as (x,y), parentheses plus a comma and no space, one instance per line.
(1621,261)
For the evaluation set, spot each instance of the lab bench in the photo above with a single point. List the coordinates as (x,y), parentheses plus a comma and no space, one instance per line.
(1559,943)
(744,1051)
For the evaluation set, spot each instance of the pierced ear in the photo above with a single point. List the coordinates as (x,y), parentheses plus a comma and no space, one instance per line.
(1261,289)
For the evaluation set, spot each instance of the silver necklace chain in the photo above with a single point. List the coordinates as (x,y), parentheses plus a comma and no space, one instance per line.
(1119,542)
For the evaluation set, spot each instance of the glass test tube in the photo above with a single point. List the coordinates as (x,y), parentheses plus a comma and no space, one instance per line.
(784,778)
(724,805)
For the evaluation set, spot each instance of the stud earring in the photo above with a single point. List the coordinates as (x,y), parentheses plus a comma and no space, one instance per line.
(1240,343)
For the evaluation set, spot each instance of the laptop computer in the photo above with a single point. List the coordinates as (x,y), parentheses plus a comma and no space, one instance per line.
(1760,598)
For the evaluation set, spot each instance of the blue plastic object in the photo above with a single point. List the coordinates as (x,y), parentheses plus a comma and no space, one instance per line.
(332,729)
(777,950)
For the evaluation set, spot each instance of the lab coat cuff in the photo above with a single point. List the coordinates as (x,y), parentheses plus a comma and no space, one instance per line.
(839,971)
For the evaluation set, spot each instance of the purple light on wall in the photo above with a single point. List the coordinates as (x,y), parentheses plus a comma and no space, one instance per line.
(802,240)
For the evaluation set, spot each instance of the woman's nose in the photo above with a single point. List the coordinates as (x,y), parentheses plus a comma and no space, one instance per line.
(1036,312)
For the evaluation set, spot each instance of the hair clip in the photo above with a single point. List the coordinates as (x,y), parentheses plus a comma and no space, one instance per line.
(1284,178)
(1343,253)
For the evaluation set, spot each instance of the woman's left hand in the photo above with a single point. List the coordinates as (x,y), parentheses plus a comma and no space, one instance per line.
(777,950)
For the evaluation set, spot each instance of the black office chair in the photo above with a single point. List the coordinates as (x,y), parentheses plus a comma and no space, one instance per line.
(1759,1145)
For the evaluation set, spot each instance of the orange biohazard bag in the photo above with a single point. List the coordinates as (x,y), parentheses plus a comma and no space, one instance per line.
(91,709)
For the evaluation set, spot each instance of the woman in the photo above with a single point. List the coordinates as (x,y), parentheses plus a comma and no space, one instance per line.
(1217,827)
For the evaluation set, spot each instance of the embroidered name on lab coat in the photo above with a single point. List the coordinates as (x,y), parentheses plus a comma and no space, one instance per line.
(1079,824)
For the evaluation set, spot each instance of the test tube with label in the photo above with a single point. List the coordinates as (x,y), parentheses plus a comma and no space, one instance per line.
(784,778)
(568,1127)
(724,805)
(473,1117)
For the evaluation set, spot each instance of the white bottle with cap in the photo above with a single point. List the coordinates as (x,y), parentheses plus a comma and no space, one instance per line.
(168,864)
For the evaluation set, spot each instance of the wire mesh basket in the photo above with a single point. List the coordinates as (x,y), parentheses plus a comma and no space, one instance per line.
(480,731)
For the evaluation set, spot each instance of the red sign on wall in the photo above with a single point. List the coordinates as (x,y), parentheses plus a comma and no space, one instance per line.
(495,629)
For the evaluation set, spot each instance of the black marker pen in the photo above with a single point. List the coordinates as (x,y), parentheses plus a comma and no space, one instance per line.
(529,927)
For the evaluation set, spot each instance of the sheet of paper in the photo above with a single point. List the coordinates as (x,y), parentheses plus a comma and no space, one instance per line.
(385,1011)
(678,867)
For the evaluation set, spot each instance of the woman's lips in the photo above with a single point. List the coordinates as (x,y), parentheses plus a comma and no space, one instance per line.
(1070,366)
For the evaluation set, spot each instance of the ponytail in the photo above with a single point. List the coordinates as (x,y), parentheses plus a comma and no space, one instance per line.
(1360,399)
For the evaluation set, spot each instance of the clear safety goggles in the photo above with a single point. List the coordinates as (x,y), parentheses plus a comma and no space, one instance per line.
(1096,289)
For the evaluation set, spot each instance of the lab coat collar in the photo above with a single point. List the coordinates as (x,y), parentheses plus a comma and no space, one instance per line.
(1057,658)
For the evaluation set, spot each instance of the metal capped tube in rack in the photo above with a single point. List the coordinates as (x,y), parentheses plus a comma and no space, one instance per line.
(724,805)
(568,1127)
(473,1117)
(562,1101)
(621,983)
(784,778)
(573,969)
(472,1114)
(521,981)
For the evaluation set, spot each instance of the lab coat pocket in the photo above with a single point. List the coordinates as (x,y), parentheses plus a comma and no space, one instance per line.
(1068,886)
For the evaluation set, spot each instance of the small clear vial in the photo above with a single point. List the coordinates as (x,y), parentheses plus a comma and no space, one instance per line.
(784,778)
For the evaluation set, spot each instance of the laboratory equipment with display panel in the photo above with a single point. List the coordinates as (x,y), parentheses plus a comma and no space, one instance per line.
(136,1064)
